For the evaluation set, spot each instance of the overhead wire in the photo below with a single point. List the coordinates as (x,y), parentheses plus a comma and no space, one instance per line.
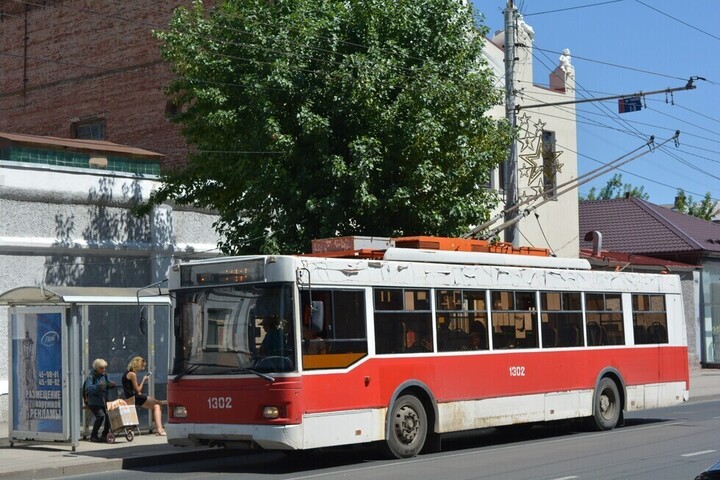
(599,124)
(636,131)
(634,174)
(557,191)
(572,8)
(612,114)
(616,65)
(664,149)
(678,20)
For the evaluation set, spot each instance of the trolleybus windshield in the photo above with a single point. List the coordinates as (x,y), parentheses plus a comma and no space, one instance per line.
(232,329)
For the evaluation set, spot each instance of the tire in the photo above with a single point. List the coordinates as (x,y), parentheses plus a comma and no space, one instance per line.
(110,437)
(407,427)
(129,435)
(607,407)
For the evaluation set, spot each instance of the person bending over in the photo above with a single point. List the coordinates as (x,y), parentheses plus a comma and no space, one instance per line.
(96,388)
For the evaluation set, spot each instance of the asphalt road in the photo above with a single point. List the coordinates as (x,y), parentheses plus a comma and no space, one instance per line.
(673,443)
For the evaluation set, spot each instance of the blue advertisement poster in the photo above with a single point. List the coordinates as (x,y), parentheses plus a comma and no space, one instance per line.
(37,373)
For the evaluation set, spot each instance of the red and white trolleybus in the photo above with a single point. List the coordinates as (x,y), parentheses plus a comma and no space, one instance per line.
(402,345)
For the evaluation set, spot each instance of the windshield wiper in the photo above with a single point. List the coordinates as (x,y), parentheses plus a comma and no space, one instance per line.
(194,366)
(265,376)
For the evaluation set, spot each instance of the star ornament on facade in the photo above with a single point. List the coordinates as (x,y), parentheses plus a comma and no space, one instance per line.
(526,139)
(530,167)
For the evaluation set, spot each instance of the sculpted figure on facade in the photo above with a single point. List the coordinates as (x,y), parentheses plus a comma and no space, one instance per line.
(524,29)
(565,64)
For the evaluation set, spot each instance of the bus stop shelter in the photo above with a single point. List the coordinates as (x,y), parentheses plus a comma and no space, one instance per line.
(55,333)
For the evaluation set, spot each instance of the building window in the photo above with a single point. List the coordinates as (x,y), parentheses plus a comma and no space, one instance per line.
(502,167)
(88,129)
(550,164)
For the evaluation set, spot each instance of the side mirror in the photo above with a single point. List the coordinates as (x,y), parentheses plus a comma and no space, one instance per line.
(143,321)
(317,315)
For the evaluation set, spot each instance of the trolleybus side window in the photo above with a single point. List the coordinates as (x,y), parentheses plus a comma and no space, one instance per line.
(561,319)
(342,340)
(649,319)
(514,319)
(403,321)
(604,319)
(461,320)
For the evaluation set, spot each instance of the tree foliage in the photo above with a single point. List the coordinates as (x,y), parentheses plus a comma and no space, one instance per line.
(614,188)
(316,118)
(704,208)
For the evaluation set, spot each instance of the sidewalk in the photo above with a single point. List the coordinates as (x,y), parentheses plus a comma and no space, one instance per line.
(37,461)
(28,461)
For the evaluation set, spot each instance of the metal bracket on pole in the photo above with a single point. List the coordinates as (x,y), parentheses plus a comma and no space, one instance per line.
(688,86)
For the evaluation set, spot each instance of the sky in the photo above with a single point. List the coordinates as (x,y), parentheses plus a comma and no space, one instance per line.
(624,47)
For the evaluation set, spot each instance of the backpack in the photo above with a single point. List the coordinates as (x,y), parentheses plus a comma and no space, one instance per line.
(85,392)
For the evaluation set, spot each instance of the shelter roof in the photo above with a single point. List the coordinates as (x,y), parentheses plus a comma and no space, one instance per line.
(41,295)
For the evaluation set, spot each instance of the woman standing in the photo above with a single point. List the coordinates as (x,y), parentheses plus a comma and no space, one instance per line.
(133,389)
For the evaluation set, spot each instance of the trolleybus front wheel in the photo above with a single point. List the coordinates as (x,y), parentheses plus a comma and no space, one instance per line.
(607,406)
(408,427)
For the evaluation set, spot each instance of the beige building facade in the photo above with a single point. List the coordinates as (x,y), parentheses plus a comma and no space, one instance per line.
(547,162)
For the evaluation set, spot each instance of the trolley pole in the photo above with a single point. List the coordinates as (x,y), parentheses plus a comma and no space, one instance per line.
(510,167)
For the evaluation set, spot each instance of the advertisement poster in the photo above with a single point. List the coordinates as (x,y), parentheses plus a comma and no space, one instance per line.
(37,372)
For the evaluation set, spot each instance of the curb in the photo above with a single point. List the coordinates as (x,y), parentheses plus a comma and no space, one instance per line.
(114,464)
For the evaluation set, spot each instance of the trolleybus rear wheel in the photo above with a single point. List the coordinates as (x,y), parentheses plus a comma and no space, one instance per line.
(407,428)
(607,407)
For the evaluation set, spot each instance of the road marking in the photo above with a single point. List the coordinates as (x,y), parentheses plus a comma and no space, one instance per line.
(387,464)
(566,478)
(698,453)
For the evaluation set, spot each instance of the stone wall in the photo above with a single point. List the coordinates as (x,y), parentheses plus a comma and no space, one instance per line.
(74,227)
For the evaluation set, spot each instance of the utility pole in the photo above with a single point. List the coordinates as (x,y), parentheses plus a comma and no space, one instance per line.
(511,191)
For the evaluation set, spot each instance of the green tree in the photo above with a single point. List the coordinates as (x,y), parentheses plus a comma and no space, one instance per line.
(316,118)
(614,188)
(703,209)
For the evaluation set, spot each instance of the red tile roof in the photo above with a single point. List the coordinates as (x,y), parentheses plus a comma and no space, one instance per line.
(635,226)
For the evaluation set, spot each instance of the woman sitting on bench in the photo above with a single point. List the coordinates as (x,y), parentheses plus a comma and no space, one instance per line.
(133,389)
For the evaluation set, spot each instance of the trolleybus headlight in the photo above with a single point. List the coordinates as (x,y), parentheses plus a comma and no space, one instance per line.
(179,411)
(271,412)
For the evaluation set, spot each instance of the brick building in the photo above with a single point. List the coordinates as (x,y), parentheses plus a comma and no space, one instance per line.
(87,69)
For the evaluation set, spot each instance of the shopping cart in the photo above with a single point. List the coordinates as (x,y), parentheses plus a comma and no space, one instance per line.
(123,419)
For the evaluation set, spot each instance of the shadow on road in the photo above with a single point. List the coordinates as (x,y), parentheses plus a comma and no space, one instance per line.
(278,463)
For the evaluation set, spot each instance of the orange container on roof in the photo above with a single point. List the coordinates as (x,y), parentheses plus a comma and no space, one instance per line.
(374,247)
(466,245)
(443,243)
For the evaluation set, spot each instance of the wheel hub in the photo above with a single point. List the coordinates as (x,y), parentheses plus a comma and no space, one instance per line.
(407,425)
(604,403)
